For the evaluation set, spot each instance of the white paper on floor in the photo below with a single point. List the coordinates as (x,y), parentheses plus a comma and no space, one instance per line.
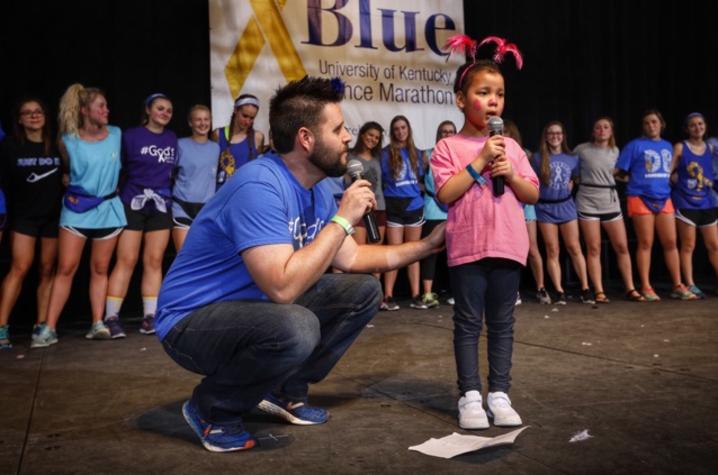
(457,444)
(580,436)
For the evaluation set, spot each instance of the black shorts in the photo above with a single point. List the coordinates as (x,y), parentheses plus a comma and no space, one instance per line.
(397,216)
(3,221)
(141,221)
(698,217)
(36,227)
(96,234)
(380,217)
(603,217)
(182,223)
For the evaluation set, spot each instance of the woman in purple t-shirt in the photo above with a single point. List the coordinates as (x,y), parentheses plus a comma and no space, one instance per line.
(556,210)
(148,158)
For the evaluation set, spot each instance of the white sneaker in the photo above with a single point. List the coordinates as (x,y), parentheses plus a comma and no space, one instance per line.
(500,410)
(471,414)
(98,331)
(518,300)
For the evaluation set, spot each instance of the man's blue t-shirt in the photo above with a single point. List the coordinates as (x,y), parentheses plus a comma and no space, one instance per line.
(262,204)
(649,163)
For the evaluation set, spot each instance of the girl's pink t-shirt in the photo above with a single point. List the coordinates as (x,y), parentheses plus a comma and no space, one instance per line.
(481,225)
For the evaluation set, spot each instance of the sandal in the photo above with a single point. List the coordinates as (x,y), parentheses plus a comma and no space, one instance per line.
(601,298)
(635,296)
(650,295)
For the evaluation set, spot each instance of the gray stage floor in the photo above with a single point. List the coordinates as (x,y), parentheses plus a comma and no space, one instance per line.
(642,378)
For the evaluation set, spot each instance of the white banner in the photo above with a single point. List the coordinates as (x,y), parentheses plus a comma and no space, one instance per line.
(388,52)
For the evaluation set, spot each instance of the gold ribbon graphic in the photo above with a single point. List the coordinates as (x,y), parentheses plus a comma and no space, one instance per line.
(265,25)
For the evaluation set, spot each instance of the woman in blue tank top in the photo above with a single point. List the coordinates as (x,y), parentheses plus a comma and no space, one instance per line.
(238,142)
(692,178)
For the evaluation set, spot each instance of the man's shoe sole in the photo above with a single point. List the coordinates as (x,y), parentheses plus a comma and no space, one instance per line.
(271,408)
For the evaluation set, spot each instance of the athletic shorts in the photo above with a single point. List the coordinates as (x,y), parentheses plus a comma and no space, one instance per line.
(94,234)
(3,221)
(397,216)
(182,222)
(379,215)
(36,227)
(603,217)
(700,218)
(139,221)
(636,207)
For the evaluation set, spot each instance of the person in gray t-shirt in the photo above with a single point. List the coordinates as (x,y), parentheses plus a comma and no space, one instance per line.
(366,150)
(598,207)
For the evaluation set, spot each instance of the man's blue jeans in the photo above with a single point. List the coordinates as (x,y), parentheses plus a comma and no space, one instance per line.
(247,349)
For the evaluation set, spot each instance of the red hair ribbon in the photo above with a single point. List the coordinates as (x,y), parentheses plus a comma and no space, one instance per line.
(461,43)
(502,48)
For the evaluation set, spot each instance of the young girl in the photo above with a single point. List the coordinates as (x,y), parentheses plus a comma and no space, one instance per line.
(402,171)
(435,214)
(91,208)
(149,153)
(598,207)
(195,173)
(31,167)
(535,260)
(486,238)
(693,179)
(556,210)
(238,142)
(647,162)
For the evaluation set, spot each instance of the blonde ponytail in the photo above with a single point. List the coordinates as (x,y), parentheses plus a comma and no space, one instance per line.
(75,97)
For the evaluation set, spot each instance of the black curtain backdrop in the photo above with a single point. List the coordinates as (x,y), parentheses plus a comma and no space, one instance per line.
(582,60)
(611,57)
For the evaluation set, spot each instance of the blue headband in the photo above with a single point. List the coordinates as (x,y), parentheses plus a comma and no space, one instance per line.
(151,98)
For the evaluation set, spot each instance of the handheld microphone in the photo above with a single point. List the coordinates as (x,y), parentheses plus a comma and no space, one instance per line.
(354,169)
(496,127)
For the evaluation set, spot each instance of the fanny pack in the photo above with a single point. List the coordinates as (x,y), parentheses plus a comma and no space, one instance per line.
(192,209)
(555,201)
(78,200)
(654,204)
(593,185)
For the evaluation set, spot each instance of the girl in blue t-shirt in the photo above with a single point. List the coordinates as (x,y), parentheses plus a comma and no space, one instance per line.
(402,171)
(435,213)
(195,173)
(90,149)
(238,142)
(647,163)
(556,210)
(511,130)
(149,153)
(692,178)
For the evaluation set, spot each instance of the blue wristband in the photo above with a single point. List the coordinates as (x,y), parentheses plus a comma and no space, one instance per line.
(475,175)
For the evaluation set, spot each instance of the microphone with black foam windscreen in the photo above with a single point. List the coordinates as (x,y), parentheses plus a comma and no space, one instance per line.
(354,170)
(496,127)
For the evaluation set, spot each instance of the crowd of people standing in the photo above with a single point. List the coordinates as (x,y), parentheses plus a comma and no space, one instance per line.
(131,192)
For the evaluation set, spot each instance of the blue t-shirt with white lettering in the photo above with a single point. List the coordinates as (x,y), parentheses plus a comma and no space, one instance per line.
(406,184)
(649,163)
(262,204)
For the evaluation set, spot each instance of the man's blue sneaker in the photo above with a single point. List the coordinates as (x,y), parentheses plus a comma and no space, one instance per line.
(216,438)
(293,412)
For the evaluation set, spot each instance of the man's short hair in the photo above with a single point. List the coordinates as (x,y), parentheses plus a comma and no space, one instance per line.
(299,104)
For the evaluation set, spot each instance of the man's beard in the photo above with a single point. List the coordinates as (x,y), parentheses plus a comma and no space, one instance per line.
(327,161)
